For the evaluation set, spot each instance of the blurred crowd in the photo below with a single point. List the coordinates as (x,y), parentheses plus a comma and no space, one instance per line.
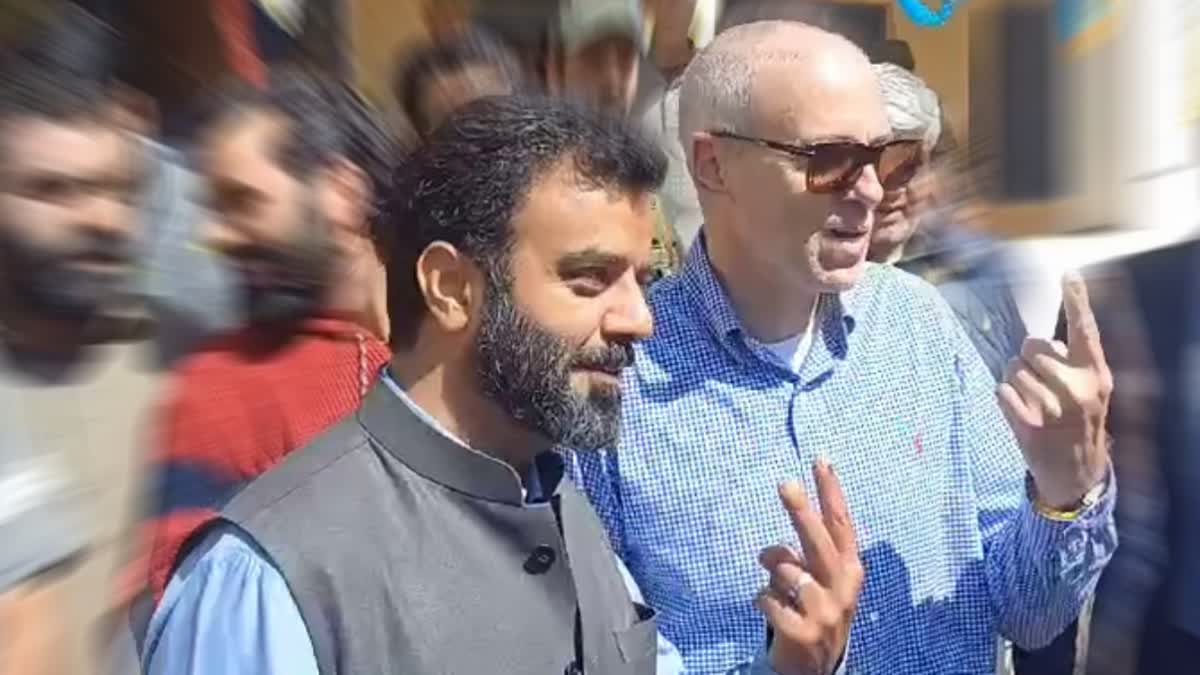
(628,336)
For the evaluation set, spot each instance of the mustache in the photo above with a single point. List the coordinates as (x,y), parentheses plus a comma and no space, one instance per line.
(101,249)
(611,359)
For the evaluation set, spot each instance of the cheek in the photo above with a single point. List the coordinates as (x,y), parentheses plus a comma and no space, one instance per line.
(36,224)
(277,223)
(542,297)
(792,212)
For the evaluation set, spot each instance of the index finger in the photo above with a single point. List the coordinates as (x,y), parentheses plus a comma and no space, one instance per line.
(834,510)
(1083,334)
(819,550)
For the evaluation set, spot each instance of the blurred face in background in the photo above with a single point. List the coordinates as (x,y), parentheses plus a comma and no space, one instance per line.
(603,72)
(68,196)
(899,214)
(267,221)
(448,90)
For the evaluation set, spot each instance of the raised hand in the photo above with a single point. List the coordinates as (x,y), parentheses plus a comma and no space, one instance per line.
(812,596)
(1056,398)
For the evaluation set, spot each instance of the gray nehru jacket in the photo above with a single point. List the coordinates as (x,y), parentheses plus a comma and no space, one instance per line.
(408,553)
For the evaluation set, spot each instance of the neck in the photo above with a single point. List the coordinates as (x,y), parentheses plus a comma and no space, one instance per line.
(451,396)
(361,297)
(754,292)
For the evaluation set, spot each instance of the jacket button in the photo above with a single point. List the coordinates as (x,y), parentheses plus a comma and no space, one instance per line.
(540,561)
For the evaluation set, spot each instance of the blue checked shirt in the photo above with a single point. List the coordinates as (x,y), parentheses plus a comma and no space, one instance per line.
(895,396)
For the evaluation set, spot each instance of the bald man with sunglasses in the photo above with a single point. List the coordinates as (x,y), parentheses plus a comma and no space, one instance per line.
(778,347)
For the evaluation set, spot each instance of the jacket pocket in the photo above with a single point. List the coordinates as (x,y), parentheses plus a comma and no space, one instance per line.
(638,644)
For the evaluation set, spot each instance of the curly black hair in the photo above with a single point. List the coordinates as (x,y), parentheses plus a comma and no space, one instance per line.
(63,69)
(467,183)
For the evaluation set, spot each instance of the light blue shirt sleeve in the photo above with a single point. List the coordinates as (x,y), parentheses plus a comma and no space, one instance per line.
(228,610)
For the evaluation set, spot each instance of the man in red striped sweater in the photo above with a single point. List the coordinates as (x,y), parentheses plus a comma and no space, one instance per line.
(292,172)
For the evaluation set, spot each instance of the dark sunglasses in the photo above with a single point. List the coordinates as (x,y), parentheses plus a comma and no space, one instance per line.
(835,167)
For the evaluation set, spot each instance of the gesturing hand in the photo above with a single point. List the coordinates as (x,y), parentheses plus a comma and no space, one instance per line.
(811,598)
(1056,397)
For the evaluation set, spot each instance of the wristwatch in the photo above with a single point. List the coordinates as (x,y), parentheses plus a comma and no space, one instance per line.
(1067,515)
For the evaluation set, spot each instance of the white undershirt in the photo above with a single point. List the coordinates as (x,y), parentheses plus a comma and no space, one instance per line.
(792,351)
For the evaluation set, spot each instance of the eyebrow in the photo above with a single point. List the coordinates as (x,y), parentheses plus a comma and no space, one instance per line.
(29,177)
(830,138)
(842,138)
(589,257)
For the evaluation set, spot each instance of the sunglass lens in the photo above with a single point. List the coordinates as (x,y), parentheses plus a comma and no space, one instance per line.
(834,167)
(898,164)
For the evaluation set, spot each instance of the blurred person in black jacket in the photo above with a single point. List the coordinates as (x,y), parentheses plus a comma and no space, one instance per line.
(1146,619)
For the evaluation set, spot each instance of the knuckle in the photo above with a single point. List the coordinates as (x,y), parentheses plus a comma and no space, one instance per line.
(828,618)
(805,633)
(855,572)
(840,518)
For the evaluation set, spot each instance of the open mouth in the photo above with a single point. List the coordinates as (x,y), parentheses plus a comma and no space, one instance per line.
(100,265)
(847,233)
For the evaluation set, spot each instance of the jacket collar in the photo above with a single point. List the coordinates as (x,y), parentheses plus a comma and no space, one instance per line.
(412,437)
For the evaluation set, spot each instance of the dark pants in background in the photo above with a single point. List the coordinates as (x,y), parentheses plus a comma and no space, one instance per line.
(1056,658)
(1166,648)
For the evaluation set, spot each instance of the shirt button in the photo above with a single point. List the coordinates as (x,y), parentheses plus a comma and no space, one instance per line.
(541,560)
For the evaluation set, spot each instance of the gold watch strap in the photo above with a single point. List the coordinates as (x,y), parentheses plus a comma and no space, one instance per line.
(1064,515)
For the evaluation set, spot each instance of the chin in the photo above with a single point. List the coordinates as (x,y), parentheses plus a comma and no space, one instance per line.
(838,280)
(837,271)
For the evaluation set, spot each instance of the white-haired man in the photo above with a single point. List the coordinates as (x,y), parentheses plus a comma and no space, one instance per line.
(916,229)
(779,346)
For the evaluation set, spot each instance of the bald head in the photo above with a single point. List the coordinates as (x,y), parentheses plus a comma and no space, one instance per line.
(756,73)
(766,113)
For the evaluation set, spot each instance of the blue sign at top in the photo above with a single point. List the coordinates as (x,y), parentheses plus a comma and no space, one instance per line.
(923,16)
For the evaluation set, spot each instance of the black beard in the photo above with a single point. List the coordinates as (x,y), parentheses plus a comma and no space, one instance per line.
(46,284)
(527,370)
(301,270)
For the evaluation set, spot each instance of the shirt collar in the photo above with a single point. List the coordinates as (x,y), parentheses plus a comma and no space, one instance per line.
(834,318)
(539,484)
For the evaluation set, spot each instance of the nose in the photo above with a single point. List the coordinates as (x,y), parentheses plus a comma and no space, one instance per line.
(867,190)
(220,237)
(629,319)
(109,216)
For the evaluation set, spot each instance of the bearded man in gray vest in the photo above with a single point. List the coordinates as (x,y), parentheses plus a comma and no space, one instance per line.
(432,531)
